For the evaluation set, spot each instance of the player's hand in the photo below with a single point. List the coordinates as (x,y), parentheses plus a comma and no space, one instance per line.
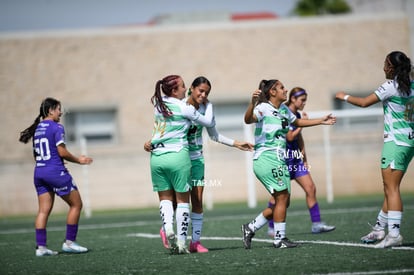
(329,120)
(340,95)
(255,96)
(244,146)
(305,115)
(147,146)
(85,160)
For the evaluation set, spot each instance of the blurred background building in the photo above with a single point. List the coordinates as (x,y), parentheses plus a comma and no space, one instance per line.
(104,70)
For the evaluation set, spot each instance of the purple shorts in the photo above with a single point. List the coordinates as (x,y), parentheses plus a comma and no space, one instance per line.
(296,168)
(54,180)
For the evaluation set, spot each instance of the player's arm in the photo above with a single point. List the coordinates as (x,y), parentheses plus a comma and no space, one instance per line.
(292,134)
(358,101)
(216,136)
(326,120)
(249,116)
(66,155)
(206,120)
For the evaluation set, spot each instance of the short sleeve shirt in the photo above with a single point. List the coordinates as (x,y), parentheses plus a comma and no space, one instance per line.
(47,137)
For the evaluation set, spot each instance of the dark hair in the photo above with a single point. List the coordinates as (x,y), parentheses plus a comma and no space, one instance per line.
(265,86)
(166,85)
(296,92)
(402,69)
(198,81)
(47,104)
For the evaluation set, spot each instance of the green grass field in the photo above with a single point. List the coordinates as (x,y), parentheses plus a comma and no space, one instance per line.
(127,242)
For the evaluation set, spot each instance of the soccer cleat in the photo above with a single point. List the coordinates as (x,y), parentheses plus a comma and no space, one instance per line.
(164,238)
(321,227)
(248,235)
(172,243)
(43,251)
(182,249)
(374,236)
(196,247)
(73,247)
(284,243)
(390,241)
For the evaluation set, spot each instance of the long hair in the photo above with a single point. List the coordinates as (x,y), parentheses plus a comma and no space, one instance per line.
(166,85)
(45,106)
(402,69)
(198,81)
(265,86)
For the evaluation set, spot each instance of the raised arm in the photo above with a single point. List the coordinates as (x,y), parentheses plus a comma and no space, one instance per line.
(249,116)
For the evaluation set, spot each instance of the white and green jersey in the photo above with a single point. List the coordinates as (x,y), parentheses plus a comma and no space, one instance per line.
(170,133)
(271,129)
(398,114)
(195,135)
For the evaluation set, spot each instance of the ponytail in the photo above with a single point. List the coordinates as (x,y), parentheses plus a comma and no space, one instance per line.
(47,104)
(28,133)
(166,85)
(402,70)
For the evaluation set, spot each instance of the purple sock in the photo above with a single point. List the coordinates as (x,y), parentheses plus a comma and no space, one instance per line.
(271,225)
(314,213)
(41,237)
(71,232)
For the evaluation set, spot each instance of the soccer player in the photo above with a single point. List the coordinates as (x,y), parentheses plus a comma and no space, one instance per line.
(170,159)
(297,164)
(197,96)
(51,176)
(272,119)
(397,97)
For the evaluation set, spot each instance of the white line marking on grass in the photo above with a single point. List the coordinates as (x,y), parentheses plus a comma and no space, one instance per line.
(153,236)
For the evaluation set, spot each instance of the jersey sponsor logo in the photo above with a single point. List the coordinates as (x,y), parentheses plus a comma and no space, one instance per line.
(157,145)
(60,189)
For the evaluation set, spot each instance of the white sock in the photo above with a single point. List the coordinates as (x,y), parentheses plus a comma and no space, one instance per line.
(258,222)
(382,220)
(182,217)
(167,215)
(280,230)
(197,226)
(394,222)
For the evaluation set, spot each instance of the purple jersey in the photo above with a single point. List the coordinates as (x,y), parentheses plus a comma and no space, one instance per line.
(46,139)
(50,173)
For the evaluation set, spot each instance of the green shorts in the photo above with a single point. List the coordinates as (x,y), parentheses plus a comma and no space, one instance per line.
(395,156)
(171,171)
(272,172)
(197,172)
